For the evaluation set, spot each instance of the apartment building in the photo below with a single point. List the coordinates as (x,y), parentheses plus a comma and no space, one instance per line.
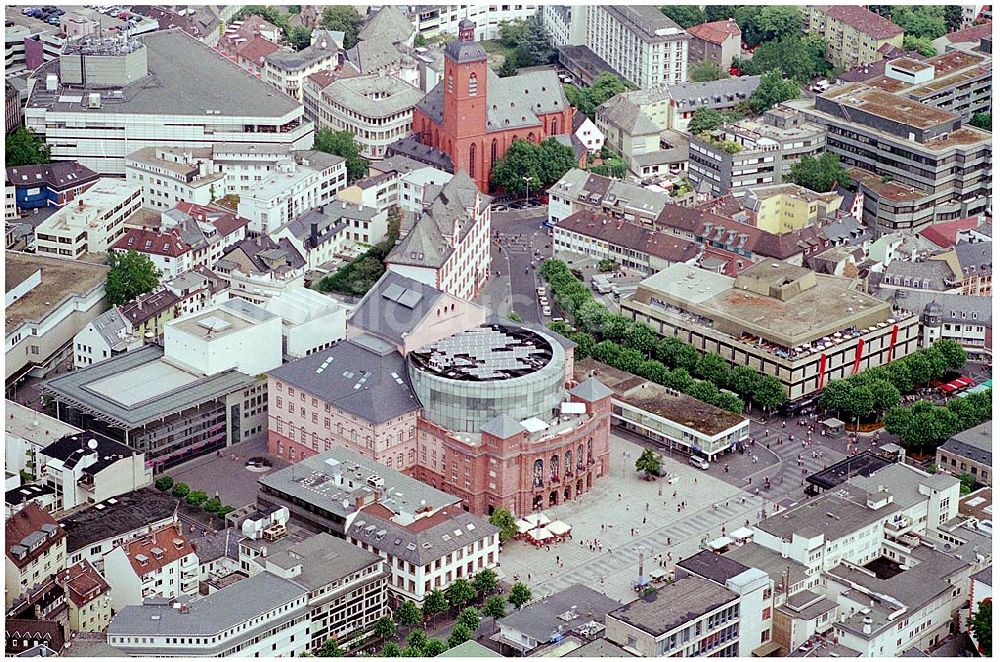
(93,532)
(646,47)
(27,433)
(376,109)
(348,495)
(87,598)
(334,231)
(915,164)
(689,617)
(853,33)
(525,632)
(397,181)
(287,69)
(347,585)
(260,268)
(628,244)
(448,246)
(97,115)
(797,341)
(185,237)
(13,113)
(261,616)
(92,223)
(580,190)
(969,452)
(566,24)
(433,20)
(966,319)
(49,185)
(47,301)
(36,550)
(718,42)
(754,152)
(782,208)
(161,564)
(87,468)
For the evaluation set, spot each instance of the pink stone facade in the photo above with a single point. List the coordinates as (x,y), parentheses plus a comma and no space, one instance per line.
(503,473)
(302,424)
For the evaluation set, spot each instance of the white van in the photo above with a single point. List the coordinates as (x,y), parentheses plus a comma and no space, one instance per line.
(699,461)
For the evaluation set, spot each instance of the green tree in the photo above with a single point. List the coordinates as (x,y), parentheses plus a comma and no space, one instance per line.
(650,462)
(408,613)
(715,13)
(469,617)
(514,316)
(434,647)
(495,607)
(587,99)
(460,593)
(130,274)
(385,627)
(705,120)
(953,17)
(768,393)
(511,33)
(798,58)
(982,627)
(684,15)
(23,147)
(180,490)
(543,165)
(772,90)
(982,121)
(819,174)
(485,582)
(772,23)
(885,11)
(212,506)
(391,649)
(411,651)
(434,603)
(922,45)
(459,635)
(713,368)
(835,396)
(556,160)
(341,143)
(417,639)
(707,71)
(299,37)
(536,43)
(420,40)
(921,369)
(343,18)
(920,20)
(859,403)
(967,482)
(898,373)
(196,498)
(885,396)
(953,354)
(520,595)
(164,483)
(503,520)
(607,265)
(330,648)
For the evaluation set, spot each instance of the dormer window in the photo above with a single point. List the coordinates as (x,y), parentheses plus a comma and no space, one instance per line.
(473,85)
(451,83)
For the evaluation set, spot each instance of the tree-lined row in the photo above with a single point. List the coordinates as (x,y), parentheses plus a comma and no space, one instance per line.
(634,347)
(196,498)
(925,426)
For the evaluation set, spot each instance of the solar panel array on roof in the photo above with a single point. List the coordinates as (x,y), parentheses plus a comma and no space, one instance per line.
(485,353)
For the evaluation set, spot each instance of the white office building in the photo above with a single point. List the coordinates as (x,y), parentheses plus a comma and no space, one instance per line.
(646,47)
(434,20)
(566,24)
(162,88)
(92,223)
(310,321)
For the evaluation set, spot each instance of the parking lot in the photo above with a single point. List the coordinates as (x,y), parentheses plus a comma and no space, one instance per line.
(613,510)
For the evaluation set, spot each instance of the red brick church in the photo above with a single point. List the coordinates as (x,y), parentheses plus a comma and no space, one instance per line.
(473,115)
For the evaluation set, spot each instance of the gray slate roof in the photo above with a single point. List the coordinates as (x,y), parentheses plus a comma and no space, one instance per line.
(591,390)
(933,271)
(627,115)
(713,94)
(541,620)
(212,614)
(388,23)
(329,219)
(975,256)
(977,310)
(171,89)
(109,324)
(418,544)
(975,444)
(364,376)
(411,148)
(503,426)
(381,313)
(323,558)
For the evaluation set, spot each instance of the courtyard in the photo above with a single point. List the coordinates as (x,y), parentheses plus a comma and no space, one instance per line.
(630,517)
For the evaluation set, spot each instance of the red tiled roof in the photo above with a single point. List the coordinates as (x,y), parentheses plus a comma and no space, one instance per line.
(323,78)
(25,522)
(225,221)
(144,240)
(975,33)
(83,583)
(257,49)
(170,544)
(716,32)
(633,236)
(862,20)
(944,234)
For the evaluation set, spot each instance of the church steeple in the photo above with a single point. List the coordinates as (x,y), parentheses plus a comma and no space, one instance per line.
(465,70)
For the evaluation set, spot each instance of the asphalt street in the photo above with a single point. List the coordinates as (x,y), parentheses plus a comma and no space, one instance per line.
(519,245)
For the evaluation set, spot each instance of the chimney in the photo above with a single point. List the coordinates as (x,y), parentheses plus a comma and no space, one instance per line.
(314,235)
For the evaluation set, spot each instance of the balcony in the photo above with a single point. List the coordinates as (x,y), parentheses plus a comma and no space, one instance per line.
(899,526)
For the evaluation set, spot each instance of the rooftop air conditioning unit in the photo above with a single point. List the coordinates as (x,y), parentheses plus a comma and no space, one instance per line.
(94,100)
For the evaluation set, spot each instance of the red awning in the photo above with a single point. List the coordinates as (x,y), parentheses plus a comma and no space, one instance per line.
(964,381)
(947,388)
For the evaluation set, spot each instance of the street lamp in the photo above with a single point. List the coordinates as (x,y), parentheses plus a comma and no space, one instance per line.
(527,180)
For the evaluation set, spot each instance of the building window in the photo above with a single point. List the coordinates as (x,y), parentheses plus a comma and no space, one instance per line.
(451,83)
(493,153)
(473,85)
(472,160)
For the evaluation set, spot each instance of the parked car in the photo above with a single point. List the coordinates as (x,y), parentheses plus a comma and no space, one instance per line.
(546,311)
(698,461)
